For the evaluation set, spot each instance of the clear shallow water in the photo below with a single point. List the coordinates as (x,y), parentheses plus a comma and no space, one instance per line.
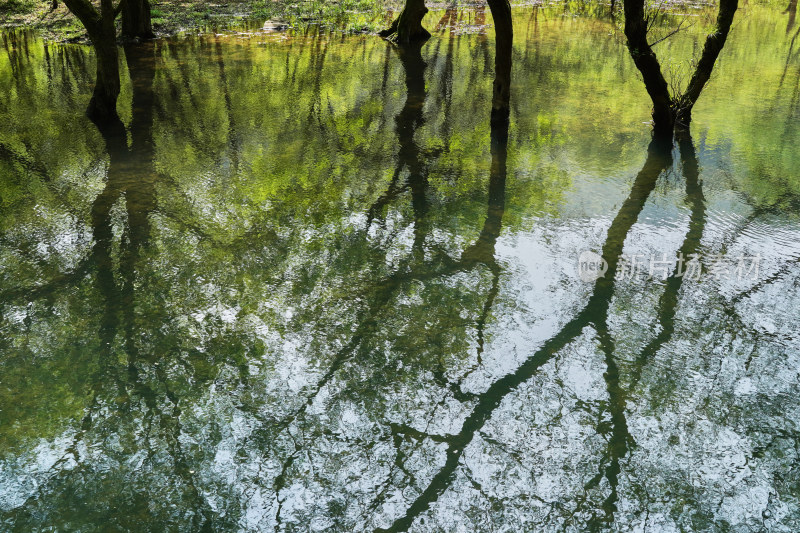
(306,291)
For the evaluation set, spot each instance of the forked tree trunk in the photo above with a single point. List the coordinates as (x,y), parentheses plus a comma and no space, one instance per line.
(673,111)
(504,39)
(136,20)
(407,27)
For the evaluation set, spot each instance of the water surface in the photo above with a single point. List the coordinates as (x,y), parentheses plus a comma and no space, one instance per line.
(311,286)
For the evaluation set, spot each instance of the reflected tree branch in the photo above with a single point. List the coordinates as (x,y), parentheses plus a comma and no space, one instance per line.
(658,160)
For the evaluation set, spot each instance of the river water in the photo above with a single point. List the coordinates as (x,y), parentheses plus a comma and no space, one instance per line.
(312,286)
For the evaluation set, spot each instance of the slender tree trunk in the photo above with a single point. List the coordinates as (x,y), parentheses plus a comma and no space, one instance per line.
(407,27)
(136,20)
(504,37)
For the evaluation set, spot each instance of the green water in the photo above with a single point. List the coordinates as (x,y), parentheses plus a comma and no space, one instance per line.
(311,287)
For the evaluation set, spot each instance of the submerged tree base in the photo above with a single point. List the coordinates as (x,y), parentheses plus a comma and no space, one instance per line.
(407,28)
(136,20)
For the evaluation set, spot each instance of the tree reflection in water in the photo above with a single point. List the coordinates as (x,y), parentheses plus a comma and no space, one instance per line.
(301,286)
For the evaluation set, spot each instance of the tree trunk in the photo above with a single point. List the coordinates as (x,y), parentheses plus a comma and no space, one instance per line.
(646,61)
(136,21)
(407,27)
(671,112)
(101,29)
(504,37)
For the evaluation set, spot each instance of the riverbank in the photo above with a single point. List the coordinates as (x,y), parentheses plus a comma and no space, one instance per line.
(171,18)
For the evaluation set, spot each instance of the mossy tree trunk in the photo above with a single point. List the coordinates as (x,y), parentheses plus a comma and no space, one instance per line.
(407,28)
(101,29)
(673,111)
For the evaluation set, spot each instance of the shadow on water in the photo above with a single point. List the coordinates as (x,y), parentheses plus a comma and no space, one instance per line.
(594,315)
(131,182)
(668,302)
(409,157)
(130,179)
(132,175)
